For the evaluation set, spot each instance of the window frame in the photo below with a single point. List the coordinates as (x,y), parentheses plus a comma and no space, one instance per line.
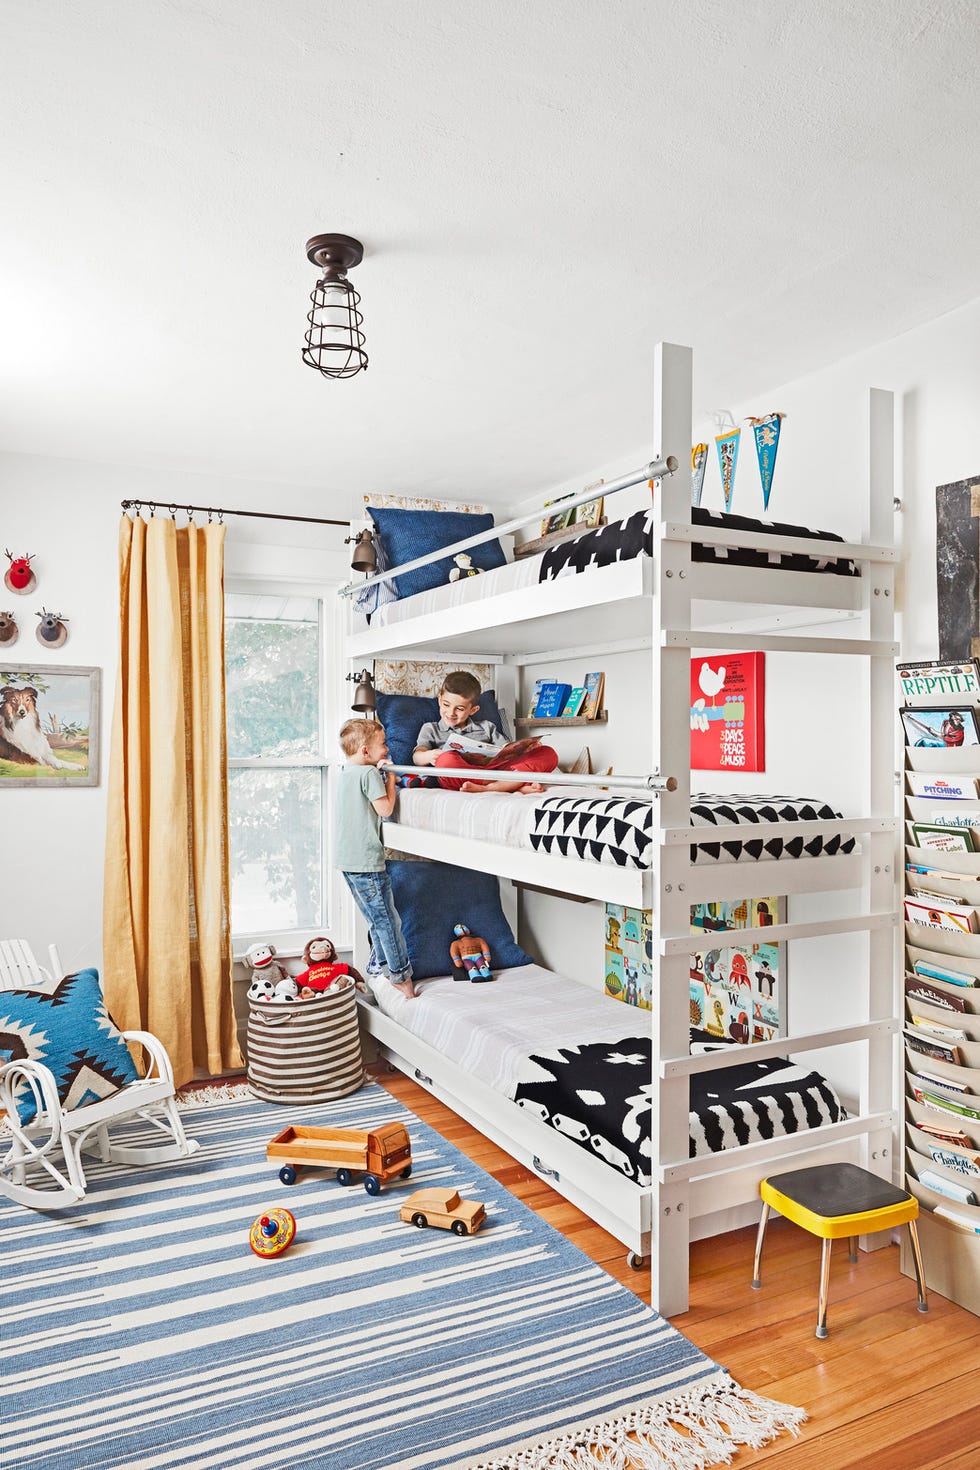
(289,943)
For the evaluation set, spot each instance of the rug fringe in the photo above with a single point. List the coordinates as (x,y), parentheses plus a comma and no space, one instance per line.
(691,1431)
(212,1096)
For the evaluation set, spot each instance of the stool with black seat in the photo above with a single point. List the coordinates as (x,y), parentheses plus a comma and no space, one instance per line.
(833,1201)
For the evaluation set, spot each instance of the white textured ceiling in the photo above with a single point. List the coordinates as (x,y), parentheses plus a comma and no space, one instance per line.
(544,188)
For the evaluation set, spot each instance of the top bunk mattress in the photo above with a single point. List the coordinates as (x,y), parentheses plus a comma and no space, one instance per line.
(619,541)
(597,826)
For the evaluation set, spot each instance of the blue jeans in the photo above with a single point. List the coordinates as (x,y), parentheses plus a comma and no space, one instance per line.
(373,896)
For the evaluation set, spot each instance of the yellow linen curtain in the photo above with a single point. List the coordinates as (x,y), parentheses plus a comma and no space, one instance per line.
(167,936)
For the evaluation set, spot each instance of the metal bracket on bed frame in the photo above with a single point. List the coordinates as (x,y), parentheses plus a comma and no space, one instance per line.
(543,1168)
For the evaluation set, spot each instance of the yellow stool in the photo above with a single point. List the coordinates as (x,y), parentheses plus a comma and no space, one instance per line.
(836,1200)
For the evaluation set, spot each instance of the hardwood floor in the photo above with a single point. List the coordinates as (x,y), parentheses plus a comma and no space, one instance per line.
(890,1389)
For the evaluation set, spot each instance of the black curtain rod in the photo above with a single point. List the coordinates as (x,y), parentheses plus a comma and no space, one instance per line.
(262,515)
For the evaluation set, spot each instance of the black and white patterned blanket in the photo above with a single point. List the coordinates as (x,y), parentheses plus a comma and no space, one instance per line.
(599,1094)
(617,830)
(633,536)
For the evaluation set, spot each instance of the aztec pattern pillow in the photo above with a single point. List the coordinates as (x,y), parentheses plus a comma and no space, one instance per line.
(407,534)
(625,539)
(599,1094)
(70,1032)
(710,811)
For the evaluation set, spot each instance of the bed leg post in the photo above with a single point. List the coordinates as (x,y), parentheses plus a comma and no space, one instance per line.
(669,1256)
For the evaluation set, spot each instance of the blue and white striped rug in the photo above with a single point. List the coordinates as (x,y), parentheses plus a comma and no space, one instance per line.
(138,1329)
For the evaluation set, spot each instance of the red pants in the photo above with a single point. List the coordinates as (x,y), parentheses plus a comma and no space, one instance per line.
(542,758)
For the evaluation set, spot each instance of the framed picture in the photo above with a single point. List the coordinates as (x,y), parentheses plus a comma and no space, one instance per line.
(49,725)
(728,707)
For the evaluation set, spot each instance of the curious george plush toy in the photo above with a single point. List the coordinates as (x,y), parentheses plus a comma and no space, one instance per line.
(322,970)
(470,956)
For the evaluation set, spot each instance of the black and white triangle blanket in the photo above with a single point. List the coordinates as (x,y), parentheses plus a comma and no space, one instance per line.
(633,536)
(617,830)
(599,1094)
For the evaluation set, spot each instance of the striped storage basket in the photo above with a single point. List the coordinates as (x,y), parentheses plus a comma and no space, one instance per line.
(305,1051)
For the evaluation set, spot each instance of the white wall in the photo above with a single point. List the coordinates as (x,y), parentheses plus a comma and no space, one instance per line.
(67,512)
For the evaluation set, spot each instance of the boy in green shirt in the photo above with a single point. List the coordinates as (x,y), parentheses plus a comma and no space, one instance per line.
(364,796)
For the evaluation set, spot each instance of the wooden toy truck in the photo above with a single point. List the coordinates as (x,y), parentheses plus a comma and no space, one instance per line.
(382,1154)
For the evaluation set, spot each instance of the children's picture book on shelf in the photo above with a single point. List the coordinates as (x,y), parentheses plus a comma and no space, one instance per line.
(728,712)
(935,837)
(932,1046)
(931,680)
(960,918)
(550,700)
(558,520)
(590,514)
(916,988)
(574,703)
(937,787)
(946,1133)
(945,1103)
(949,973)
(944,727)
(595,685)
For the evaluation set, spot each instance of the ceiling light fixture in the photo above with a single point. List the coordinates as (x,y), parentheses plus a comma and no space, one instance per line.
(334,339)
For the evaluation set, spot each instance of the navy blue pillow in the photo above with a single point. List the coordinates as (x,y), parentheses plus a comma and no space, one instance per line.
(432,897)
(403,716)
(406,534)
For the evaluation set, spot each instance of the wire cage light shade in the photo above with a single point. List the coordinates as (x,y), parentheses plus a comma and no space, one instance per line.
(334,335)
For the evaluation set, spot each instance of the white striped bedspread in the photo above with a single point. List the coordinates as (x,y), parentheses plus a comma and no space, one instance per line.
(596,826)
(582,1063)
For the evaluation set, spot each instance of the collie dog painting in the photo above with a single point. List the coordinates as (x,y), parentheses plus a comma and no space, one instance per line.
(48,721)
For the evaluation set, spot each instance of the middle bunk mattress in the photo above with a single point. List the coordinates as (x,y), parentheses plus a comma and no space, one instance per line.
(583,1065)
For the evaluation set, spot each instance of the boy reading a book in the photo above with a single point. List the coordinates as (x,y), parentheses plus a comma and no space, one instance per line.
(444,742)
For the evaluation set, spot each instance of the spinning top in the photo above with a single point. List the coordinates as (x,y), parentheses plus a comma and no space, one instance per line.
(273,1233)
(51,631)
(9,630)
(18,576)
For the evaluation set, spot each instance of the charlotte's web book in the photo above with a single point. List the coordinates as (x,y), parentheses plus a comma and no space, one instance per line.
(932,681)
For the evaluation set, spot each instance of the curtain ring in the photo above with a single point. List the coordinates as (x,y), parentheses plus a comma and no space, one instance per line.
(210,516)
(173,512)
(221,517)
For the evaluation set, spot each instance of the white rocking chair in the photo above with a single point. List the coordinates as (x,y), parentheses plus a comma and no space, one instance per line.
(40,1161)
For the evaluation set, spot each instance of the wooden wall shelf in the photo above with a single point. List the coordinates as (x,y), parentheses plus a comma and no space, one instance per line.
(541,543)
(528,722)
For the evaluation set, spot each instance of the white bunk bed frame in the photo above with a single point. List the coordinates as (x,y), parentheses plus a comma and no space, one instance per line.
(647,603)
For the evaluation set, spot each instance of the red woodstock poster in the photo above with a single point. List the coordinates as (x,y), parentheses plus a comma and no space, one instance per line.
(728,708)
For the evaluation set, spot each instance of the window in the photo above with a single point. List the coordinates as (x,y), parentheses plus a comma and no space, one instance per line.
(278,659)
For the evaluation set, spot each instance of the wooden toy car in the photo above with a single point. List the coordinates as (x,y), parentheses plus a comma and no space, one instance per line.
(443,1207)
(382,1154)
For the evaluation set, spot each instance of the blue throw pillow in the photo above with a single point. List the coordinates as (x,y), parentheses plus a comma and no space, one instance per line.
(432,897)
(70,1032)
(407,534)
(403,716)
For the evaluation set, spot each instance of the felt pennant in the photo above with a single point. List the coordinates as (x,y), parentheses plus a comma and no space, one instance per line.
(727,445)
(766,430)
(699,458)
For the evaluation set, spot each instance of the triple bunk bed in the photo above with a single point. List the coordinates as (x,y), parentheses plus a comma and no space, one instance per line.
(675,582)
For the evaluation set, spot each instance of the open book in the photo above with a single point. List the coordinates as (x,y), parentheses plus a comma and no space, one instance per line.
(478,753)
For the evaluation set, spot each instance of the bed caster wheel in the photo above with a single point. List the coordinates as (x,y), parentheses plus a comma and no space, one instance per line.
(287,1174)
(635,1262)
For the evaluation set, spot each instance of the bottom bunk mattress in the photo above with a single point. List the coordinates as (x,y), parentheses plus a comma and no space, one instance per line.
(583,1064)
(596,826)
